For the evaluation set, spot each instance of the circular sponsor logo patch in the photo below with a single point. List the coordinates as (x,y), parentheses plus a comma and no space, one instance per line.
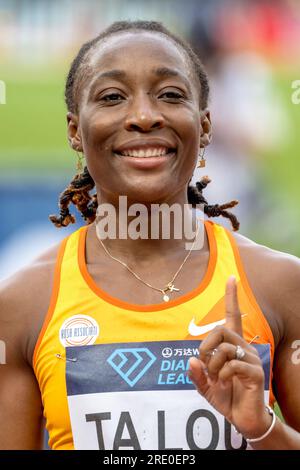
(79,330)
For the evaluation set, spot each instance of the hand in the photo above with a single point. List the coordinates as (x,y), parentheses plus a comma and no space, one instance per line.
(233,387)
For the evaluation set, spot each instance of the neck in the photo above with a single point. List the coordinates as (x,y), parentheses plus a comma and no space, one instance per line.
(140,233)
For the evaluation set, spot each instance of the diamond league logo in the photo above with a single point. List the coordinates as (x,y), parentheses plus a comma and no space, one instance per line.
(131,364)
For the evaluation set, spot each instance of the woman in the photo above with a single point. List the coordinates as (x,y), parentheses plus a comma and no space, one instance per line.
(134,310)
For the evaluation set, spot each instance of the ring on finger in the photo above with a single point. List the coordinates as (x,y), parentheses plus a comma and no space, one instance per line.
(239,353)
(212,353)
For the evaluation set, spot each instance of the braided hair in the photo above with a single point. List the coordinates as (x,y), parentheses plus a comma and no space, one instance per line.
(78,190)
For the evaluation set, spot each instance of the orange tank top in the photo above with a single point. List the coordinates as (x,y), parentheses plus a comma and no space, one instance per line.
(113,375)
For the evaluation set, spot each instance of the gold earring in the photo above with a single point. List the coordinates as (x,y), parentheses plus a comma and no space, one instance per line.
(202,161)
(80,159)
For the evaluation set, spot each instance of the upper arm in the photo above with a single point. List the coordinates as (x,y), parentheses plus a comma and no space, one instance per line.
(23,303)
(287,358)
(21,421)
(275,279)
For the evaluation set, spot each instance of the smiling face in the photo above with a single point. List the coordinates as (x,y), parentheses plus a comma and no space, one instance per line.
(140,125)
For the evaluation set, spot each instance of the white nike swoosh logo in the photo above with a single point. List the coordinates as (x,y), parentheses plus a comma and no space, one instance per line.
(195,330)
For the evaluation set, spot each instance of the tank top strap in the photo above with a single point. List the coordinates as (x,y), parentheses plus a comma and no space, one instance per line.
(229,262)
(65,272)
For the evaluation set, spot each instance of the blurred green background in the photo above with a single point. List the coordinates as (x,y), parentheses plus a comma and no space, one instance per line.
(33,123)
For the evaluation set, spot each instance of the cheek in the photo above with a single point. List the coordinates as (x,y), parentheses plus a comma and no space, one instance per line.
(188,122)
(190,129)
(189,126)
(96,129)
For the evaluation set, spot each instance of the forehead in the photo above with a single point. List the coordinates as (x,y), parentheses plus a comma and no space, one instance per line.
(127,50)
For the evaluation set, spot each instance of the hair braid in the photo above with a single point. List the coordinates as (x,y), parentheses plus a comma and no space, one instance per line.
(78,193)
(195,196)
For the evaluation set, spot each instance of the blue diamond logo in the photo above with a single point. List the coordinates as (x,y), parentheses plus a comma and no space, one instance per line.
(131,364)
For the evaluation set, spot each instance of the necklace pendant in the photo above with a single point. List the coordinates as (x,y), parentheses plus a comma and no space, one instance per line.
(171,287)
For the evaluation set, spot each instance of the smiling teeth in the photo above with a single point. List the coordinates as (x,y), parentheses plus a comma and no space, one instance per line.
(150,152)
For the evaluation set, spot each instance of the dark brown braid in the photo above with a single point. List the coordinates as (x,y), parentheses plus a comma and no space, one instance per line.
(78,193)
(78,190)
(195,196)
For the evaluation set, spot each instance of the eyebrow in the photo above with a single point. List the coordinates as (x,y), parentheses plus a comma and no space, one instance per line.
(112,74)
(159,72)
(167,72)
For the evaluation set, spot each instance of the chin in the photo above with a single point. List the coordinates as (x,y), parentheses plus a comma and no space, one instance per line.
(148,195)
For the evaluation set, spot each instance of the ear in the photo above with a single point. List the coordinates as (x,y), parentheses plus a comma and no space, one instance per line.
(74,136)
(206,133)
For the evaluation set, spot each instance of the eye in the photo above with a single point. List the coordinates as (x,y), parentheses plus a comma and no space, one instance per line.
(172,96)
(112,98)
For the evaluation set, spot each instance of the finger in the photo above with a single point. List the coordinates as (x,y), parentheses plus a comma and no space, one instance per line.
(197,374)
(242,370)
(224,353)
(219,335)
(233,314)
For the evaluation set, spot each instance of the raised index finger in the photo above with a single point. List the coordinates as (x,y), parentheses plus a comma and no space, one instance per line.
(233,314)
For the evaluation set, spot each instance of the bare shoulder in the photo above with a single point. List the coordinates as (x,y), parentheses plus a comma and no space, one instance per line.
(24,301)
(274,277)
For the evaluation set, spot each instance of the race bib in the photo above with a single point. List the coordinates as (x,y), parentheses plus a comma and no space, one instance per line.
(138,396)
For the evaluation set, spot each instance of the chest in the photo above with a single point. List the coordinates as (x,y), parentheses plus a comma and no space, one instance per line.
(143,285)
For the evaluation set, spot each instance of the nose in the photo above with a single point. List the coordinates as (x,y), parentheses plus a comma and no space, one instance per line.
(143,116)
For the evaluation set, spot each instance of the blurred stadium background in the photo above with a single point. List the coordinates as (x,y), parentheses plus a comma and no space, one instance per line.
(252,52)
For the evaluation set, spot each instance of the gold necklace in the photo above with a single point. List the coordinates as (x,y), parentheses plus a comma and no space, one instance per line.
(170,286)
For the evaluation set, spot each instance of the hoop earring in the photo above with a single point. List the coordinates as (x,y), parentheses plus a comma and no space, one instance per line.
(202,161)
(79,165)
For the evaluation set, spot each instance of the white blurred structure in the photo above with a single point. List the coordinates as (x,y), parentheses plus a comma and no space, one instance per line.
(25,245)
